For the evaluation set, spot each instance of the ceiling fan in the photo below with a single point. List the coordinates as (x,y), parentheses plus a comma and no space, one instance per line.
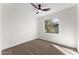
(38,7)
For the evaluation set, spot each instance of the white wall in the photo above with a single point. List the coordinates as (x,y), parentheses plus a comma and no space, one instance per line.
(67,27)
(0,28)
(18,24)
(78,25)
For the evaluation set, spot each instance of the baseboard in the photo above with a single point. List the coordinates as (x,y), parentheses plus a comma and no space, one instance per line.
(17,44)
(75,49)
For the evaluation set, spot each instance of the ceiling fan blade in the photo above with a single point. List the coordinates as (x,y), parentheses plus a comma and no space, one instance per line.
(45,9)
(37,12)
(34,6)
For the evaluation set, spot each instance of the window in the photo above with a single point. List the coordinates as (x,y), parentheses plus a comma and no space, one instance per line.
(52,25)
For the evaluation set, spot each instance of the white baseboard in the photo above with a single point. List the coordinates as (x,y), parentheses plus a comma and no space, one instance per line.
(18,43)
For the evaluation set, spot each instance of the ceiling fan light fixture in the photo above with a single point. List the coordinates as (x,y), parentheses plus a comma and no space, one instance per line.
(39,11)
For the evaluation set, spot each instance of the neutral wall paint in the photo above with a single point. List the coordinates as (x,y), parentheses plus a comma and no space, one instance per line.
(0,29)
(67,31)
(18,24)
(77,26)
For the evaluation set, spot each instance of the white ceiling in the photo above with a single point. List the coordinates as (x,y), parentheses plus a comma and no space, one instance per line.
(54,7)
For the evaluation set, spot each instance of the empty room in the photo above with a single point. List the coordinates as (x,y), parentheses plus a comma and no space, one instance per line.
(39,28)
